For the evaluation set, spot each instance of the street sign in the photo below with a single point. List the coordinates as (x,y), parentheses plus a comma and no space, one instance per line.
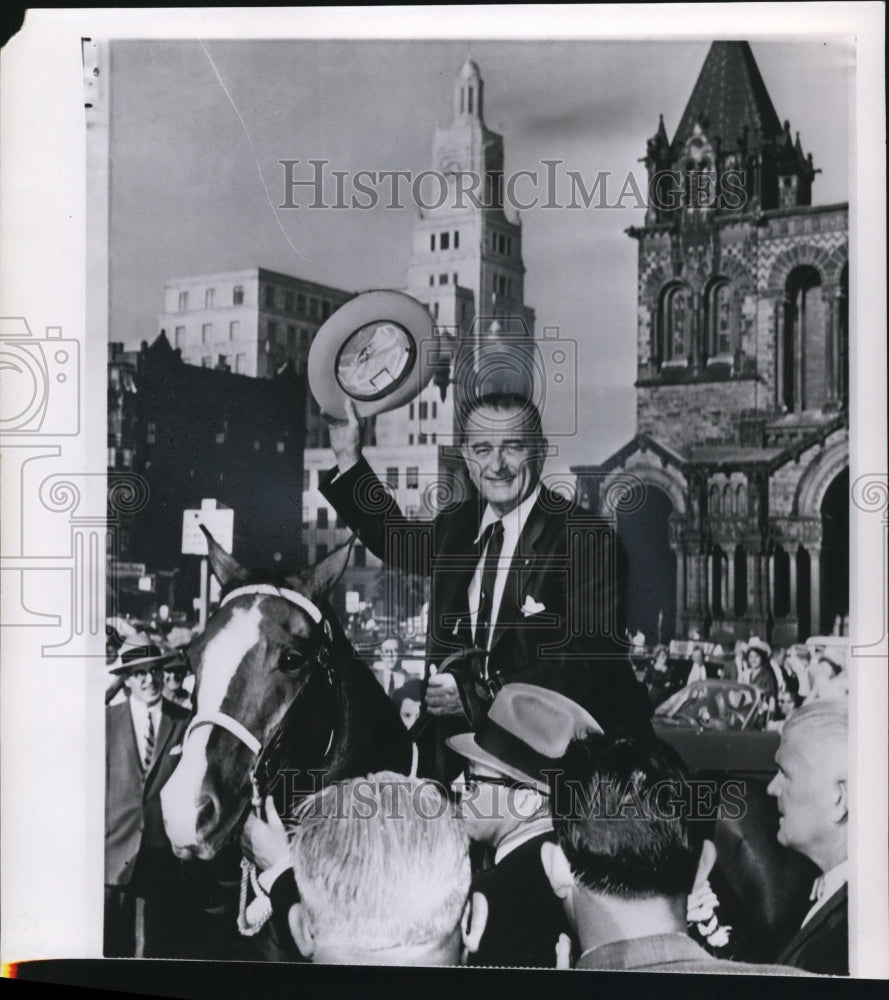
(219,521)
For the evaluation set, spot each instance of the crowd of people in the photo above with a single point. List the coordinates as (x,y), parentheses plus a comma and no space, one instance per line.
(531,703)
(591,867)
(786,678)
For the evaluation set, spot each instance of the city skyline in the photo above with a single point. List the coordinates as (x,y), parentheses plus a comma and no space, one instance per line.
(198,130)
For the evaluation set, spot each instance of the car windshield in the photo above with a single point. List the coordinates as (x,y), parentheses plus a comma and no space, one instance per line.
(711,705)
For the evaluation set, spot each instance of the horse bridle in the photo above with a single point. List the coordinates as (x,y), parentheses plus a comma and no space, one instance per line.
(263,764)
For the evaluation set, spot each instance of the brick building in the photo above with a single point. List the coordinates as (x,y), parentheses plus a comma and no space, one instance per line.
(737,522)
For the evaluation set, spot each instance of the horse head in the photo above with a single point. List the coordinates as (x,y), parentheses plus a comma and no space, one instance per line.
(266,692)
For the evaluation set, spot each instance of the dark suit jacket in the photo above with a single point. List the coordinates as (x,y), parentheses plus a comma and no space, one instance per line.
(525,917)
(133,818)
(822,944)
(561,606)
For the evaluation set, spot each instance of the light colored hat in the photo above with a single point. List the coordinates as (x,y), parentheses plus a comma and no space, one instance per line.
(756,643)
(527,730)
(141,651)
(376,350)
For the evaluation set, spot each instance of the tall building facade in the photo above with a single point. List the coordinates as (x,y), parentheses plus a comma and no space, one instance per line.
(737,519)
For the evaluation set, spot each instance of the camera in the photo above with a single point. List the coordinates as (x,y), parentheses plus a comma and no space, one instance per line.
(39,380)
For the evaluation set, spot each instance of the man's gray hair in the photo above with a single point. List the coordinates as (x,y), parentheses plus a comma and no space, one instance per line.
(381,862)
(823,722)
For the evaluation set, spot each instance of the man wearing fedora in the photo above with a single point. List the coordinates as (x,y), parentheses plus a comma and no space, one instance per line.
(505,805)
(144,904)
(518,574)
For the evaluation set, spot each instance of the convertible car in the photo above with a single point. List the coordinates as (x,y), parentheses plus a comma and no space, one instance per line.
(719,727)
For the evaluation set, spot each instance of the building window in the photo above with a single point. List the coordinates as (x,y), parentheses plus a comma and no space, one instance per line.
(442,279)
(340,521)
(444,241)
(360,556)
(674,318)
(180,336)
(209,295)
(321,521)
(270,296)
(307,480)
(288,300)
(183,301)
(410,412)
(206,332)
(720,339)
(238,295)
(456,239)
(300,303)
(305,517)
(272,333)
(431,279)
(151,433)
(434,409)
(435,310)
(392,477)
(279,447)
(325,309)
(412,477)
(410,439)
(320,552)
(421,439)
(234,328)
(240,363)
(432,242)
(424,410)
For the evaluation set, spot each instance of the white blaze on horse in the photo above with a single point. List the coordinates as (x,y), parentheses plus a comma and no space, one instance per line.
(278,689)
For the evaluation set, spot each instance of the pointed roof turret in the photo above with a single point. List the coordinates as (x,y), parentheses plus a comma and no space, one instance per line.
(468,91)
(729,94)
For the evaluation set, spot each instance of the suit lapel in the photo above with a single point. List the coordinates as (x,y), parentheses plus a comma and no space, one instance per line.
(519,570)
(164,732)
(811,928)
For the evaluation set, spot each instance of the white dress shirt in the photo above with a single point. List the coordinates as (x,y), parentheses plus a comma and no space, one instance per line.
(831,882)
(513,523)
(139,711)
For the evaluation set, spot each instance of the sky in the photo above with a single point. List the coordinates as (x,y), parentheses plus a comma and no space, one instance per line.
(198,128)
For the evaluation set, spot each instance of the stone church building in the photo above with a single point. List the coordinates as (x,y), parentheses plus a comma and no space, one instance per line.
(732,498)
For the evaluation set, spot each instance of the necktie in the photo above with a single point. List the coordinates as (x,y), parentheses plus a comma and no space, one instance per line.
(149,743)
(483,624)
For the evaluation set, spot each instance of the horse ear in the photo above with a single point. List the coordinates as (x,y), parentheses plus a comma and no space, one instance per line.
(224,565)
(321,578)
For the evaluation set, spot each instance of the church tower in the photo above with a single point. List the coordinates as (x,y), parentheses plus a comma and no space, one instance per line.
(742,380)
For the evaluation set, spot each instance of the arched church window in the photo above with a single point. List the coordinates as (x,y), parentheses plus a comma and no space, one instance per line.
(674,321)
(720,317)
(801,351)
(715,505)
(728,499)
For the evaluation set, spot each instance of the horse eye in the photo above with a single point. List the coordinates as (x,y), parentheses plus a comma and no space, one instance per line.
(290,661)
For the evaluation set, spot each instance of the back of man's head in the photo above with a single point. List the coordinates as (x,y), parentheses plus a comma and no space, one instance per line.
(619,810)
(819,733)
(382,865)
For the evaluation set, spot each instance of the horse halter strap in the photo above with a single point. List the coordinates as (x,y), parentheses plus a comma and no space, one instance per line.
(237,729)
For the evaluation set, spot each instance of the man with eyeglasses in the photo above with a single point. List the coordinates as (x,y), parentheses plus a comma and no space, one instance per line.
(505,804)
(144,900)
(521,578)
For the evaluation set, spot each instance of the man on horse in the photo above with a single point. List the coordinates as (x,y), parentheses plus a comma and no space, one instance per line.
(521,578)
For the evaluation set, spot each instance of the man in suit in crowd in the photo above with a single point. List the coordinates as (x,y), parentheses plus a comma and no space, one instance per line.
(505,804)
(518,573)
(811,788)
(622,862)
(144,903)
